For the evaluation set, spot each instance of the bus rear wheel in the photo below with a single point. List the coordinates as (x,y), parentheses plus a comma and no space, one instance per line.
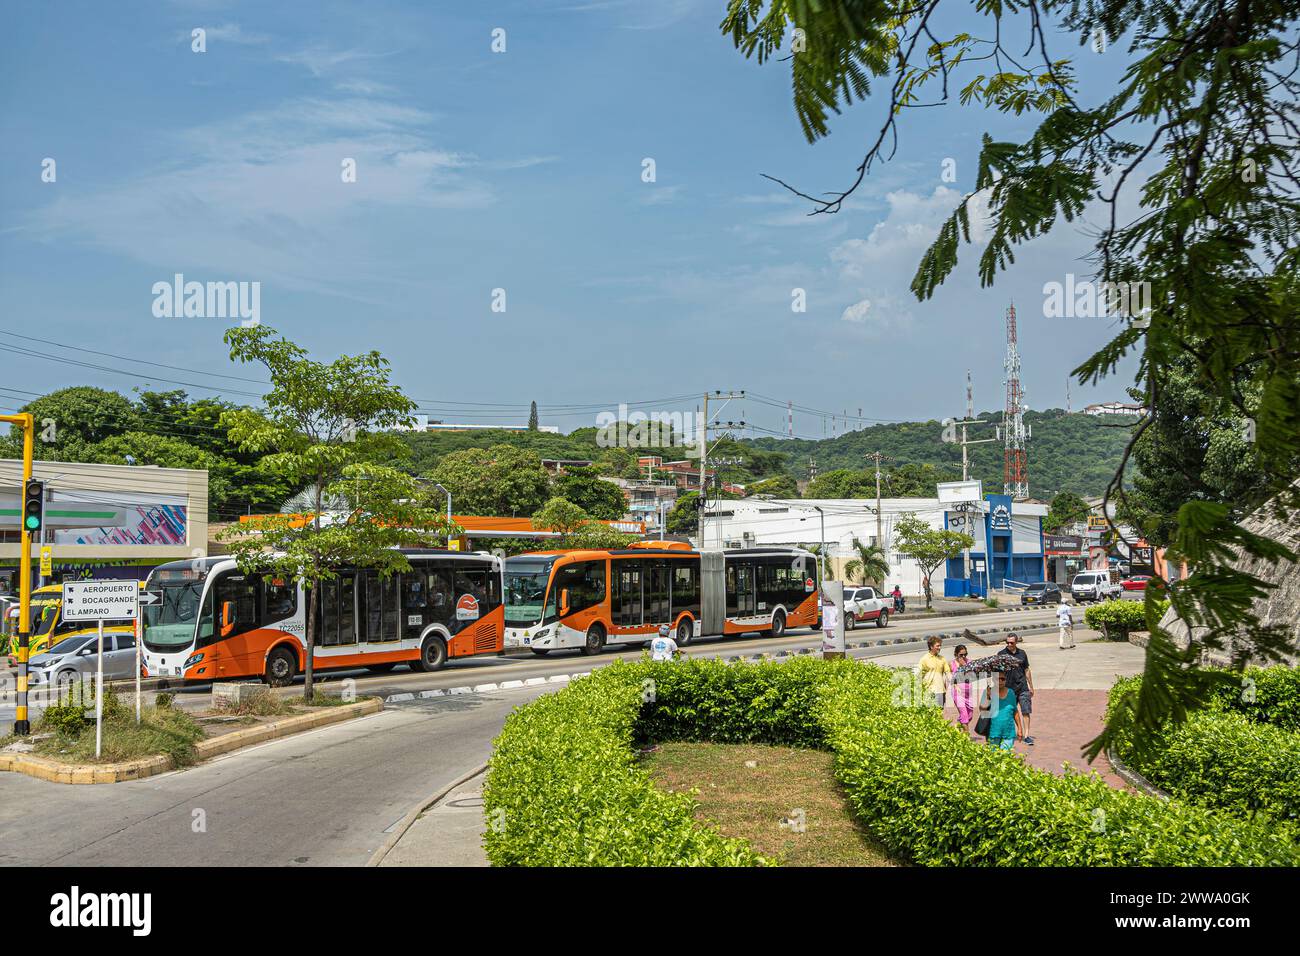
(883,619)
(778,624)
(595,642)
(685,632)
(433,654)
(281,666)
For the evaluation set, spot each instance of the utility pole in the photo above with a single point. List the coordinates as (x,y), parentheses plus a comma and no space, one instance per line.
(705,423)
(880,534)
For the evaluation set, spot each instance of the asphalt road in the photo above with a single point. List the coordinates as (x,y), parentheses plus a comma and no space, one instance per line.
(329,796)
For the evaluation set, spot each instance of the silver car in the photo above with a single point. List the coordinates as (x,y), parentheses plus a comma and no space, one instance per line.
(74,658)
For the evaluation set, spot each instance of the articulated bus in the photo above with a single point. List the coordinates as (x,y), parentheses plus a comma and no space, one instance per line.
(590,599)
(215,622)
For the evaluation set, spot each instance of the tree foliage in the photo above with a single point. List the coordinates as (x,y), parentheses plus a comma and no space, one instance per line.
(1189,159)
(928,547)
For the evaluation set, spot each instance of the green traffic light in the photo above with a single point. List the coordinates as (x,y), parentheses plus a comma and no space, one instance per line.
(33,522)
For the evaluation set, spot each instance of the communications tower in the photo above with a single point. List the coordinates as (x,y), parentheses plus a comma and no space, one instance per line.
(1015,475)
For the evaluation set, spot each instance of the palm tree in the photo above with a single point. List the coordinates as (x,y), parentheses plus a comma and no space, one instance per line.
(871,564)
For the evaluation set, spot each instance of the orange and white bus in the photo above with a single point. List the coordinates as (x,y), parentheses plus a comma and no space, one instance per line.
(590,599)
(214,622)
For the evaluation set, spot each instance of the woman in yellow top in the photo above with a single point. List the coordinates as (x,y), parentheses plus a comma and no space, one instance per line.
(935,672)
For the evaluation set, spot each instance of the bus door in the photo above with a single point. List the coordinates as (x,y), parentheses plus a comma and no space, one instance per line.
(627,600)
(656,593)
(741,599)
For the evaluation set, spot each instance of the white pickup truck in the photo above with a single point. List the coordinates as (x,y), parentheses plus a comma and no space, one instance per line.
(862,605)
(1095,586)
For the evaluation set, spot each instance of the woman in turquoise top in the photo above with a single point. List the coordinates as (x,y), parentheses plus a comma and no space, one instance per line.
(1004,719)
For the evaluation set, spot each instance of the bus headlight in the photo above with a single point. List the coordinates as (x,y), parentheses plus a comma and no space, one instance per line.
(194,659)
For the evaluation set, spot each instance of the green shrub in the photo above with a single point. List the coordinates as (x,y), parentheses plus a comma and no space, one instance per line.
(163,699)
(1240,753)
(66,719)
(564,786)
(991,601)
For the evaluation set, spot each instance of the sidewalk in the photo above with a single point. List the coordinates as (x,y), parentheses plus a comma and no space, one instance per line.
(449,833)
(1070,703)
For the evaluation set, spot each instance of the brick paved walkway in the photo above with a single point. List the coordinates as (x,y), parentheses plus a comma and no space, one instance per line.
(1065,720)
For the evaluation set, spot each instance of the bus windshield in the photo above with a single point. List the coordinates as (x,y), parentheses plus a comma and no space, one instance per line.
(169,624)
(526,580)
(43,617)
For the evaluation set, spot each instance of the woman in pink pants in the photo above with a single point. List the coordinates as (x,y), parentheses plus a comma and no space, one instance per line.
(961,690)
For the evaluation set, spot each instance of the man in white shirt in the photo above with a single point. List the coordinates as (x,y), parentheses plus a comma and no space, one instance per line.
(663,647)
(1066,621)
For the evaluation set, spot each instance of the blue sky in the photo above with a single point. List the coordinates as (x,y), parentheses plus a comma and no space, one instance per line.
(478,171)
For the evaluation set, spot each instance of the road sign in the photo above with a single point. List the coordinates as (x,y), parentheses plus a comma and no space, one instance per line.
(100,600)
(150,597)
(47,561)
(954,492)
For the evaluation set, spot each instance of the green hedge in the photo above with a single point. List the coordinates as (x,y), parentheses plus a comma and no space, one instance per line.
(565,788)
(1117,618)
(1240,753)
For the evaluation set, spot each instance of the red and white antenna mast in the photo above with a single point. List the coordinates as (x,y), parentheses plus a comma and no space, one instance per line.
(1015,476)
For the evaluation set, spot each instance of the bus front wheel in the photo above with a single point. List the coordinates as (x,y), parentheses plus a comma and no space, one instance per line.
(595,642)
(433,654)
(778,624)
(280,667)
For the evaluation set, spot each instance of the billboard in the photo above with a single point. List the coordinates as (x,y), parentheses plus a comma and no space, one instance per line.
(117,518)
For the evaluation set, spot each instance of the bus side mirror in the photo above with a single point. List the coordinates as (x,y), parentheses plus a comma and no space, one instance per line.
(227,617)
(564,602)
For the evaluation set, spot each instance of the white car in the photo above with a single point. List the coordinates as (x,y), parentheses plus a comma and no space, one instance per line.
(1094,586)
(862,605)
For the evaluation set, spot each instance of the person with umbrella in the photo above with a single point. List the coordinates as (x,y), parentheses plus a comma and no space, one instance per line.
(1020,680)
(999,721)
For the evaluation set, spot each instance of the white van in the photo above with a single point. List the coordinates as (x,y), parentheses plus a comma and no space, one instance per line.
(1094,586)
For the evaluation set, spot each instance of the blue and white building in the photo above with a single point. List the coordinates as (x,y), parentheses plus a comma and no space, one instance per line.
(1008,535)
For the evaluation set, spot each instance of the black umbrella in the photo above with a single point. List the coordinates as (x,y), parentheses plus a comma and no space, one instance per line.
(989,665)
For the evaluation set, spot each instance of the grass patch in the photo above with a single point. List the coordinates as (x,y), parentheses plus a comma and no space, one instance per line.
(263,705)
(162,730)
(750,802)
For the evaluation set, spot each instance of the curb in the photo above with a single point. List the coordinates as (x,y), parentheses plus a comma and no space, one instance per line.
(413,814)
(1133,778)
(54,771)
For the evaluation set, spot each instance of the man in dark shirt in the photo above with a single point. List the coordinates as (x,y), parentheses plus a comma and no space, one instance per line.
(1021,681)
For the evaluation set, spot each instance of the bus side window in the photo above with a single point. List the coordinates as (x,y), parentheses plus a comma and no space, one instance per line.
(240,592)
(442,602)
(281,596)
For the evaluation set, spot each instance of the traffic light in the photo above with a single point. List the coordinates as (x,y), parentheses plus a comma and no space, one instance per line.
(33,505)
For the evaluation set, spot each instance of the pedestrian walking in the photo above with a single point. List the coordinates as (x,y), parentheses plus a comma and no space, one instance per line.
(1065,618)
(934,672)
(1002,714)
(961,689)
(1021,682)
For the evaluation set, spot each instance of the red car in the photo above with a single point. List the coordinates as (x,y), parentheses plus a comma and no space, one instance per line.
(1136,583)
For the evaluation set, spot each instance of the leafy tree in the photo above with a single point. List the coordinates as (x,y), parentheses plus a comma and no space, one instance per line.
(1194,449)
(780,486)
(928,547)
(532,418)
(684,516)
(871,564)
(1190,157)
(1067,508)
(586,489)
(71,419)
(579,529)
(842,483)
(500,480)
(326,424)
